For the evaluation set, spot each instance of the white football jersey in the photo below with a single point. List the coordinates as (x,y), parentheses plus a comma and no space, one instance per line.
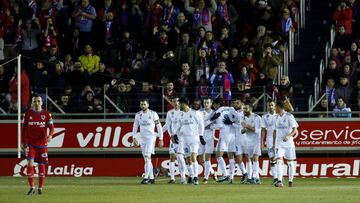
(268,122)
(284,125)
(206,116)
(147,122)
(171,122)
(224,130)
(254,121)
(191,124)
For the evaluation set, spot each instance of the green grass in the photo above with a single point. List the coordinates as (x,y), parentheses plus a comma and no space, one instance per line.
(114,189)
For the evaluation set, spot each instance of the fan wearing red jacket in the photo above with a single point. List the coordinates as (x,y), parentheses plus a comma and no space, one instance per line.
(35,140)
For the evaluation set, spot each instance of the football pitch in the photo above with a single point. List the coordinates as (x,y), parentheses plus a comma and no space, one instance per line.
(115,189)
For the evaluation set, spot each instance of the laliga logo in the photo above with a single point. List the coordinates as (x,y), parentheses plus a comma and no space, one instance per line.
(20,169)
(58,137)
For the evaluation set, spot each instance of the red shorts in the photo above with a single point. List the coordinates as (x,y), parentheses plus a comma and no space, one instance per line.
(39,155)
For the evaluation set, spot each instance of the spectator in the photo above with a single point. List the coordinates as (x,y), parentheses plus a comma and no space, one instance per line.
(168,95)
(226,15)
(29,38)
(65,105)
(344,90)
(342,40)
(170,13)
(40,78)
(163,45)
(341,110)
(286,24)
(284,89)
(72,43)
(4,88)
(181,26)
(234,62)
(225,39)
(146,91)
(87,102)
(249,62)
(77,76)
(110,39)
(331,72)
(343,16)
(260,40)
(108,7)
(202,14)
(84,16)
(350,73)
(89,61)
(186,52)
(50,35)
(101,77)
(202,89)
(353,56)
(200,37)
(212,46)
(203,66)
(98,105)
(268,63)
(25,91)
(169,67)
(58,79)
(221,78)
(330,92)
(322,107)
(186,81)
(244,80)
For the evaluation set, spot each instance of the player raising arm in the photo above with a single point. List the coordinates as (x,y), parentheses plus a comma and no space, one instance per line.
(35,141)
(147,119)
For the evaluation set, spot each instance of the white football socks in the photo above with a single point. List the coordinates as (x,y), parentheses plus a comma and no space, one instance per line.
(222,165)
(232,168)
(255,167)
(280,169)
(195,169)
(291,167)
(249,169)
(172,170)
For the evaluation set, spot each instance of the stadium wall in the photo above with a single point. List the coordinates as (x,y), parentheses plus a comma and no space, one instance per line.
(325,148)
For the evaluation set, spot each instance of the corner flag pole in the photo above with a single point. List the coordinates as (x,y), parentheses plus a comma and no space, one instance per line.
(19,103)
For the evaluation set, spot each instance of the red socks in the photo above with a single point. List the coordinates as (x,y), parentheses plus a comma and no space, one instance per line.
(30,174)
(41,168)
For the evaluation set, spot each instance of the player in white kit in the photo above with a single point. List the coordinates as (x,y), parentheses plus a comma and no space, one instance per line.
(240,139)
(147,119)
(189,134)
(205,151)
(252,128)
(170,125)
(267,132)
(226,141)
(285,129)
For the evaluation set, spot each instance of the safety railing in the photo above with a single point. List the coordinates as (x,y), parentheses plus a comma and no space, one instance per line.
(321,70)
(332,35)
(303,13)
(291,46)
(316,89)
(310,102)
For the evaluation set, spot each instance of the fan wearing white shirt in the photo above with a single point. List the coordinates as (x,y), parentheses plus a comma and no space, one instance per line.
(147,119)
(252,129)
(205,151)
(267,131)
(285,129)
(189,133)
(170,125)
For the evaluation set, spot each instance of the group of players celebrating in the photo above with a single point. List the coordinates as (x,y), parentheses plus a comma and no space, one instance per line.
(241,136)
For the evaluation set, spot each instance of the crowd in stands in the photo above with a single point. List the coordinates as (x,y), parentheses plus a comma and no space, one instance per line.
(77,50)
(342,76)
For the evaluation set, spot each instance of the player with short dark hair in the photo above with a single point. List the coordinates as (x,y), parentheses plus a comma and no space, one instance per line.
(285,129)
(35,140)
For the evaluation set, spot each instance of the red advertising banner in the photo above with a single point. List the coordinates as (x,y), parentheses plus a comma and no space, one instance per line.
(77,167)
(118,135)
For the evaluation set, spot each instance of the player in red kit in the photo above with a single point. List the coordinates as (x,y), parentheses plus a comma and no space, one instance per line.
(35,140)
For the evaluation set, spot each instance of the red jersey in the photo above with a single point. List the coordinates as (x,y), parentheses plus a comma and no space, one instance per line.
(34,130)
